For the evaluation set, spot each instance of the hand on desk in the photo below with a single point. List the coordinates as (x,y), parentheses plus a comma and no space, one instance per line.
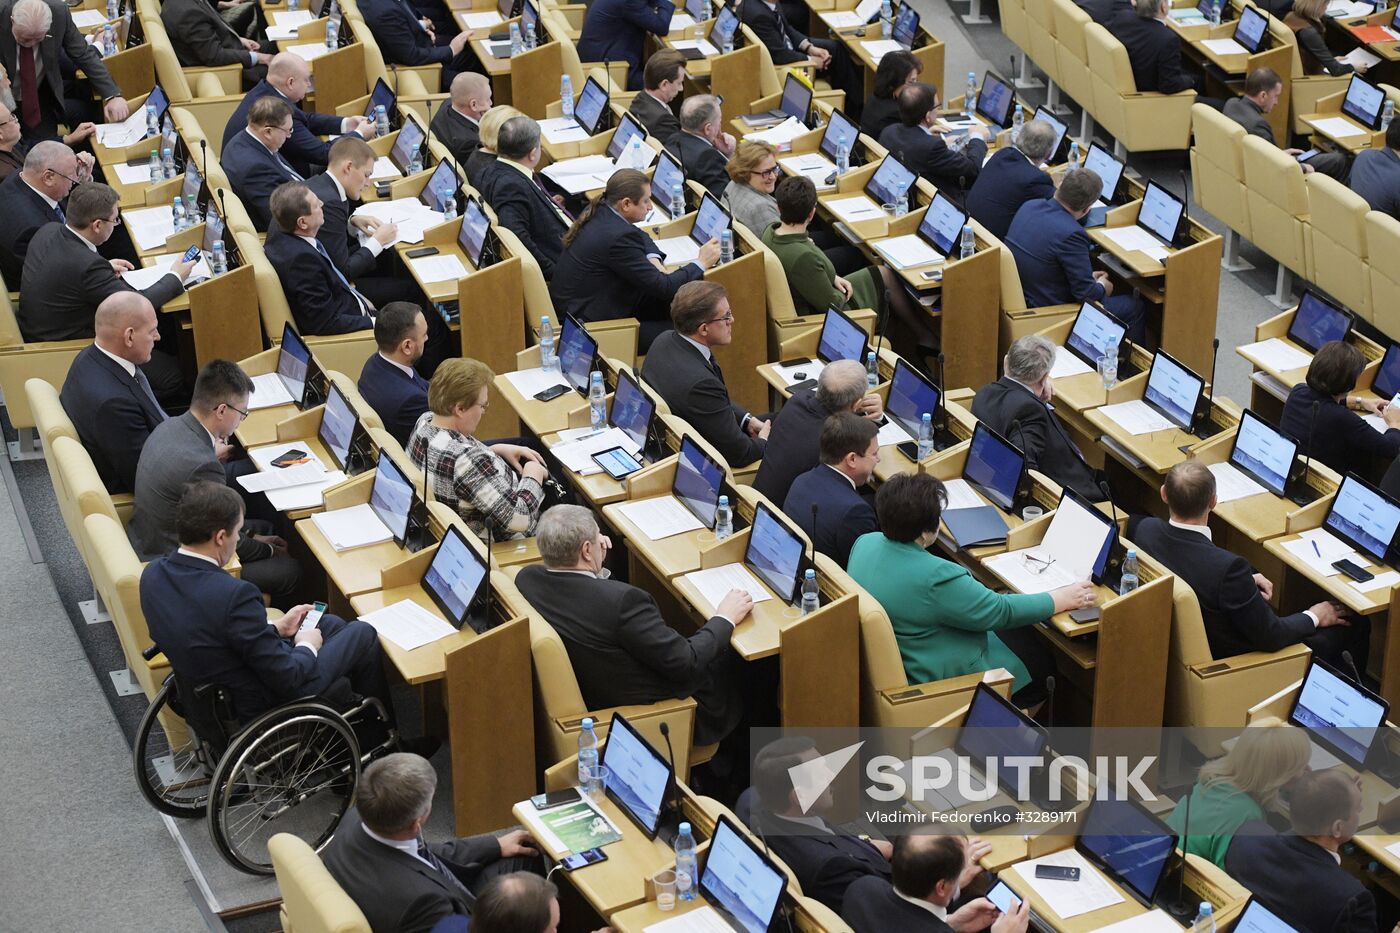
(517,843)
(1074,596)
(736,606)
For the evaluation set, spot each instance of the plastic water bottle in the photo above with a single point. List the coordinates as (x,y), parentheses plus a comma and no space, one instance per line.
(843,155)
(726,245)
(1018,120)
(677,200)
(293,6)
(1387,114)
(114,9)
(167,162)
(109,41)
(925,435)
(1215,13)
(220,263)
(529,35)
(901,200)
(415,163)
(152,120)
(177,213)
(886,18)
(686,872)
(333,32)
(967,243)
(1205,919)
(811,599)
(1073,155)
(588,758)
(548,358)
(597,402)
(970,97)
(1127,584)
(157,170)
(381,120)
(449,208)
(872,370)
(707,11)
(634,153)
(566,96)
(724,519)
(517,44)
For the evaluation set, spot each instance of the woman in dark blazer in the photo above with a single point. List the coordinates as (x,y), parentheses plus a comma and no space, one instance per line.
(1322,415)
(1305,19)
(881,109)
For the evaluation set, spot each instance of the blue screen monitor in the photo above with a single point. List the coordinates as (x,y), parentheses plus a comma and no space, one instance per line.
(1173,390)
(1130,844)
(391,497)
(592,107)
(774,552)
(740,882)
(381,96)
(455,576)
(1338,713)
(407,145)
(841,338)
(797,98)
(213,230)
(891,181)
(942,224)
(577,350)
(1060,127)
(1318,321)
(995,466)
(193,187)
(698,480)
(1364,102)
(1263,452)
(839,125)
(337,426)
(1387,381)
(1259,919)
(472,237)
(158,100)
(441,187)
(530,16)
(710,220)
(627,130)
(906,25)
(995,101)
(1095,333)
(668,174)
(911,397)
(995,730)
(725,26)
(1252,29)
(631,410)
(638,778)
(1365,517)
(293,362)
(1160,213)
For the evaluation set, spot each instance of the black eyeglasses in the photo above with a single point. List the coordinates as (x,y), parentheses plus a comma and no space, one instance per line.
(75,181)
(236,408)
(766,172)
(722,320)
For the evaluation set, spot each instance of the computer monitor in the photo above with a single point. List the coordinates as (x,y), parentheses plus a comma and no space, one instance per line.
(475,225)
(725,28)
(158,100)
(1160,213)
(592,106)
(639,778)
(1252,30)
(1364,102)
(911,397)
(741,883)
(891,181)
(996,100)
(774,552)
(710,220)
(1263,452)
(530,16)
(632,410)
(841,338)
(1110,171)
(1059,126)
(668,174)
(942,224)
(170,138)
(1387,381)
(995,730)
(906,25)
(1094,334)
(391,497)
(1318,321)
(381,96)
(839,125)
(696,9)
(1257,918)
(995,466)
(1338,713)
(577,351)
(1131,845)
(627,130)
(337,429)
(454,578)
(698,480)
(1365,517)
(1173,390)
(293,362)
(796,101)
(1102,541)
(408,143)
(441,187)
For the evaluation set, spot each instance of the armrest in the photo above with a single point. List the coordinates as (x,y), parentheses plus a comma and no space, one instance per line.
(1044,310)
(920,705)
(1293,654)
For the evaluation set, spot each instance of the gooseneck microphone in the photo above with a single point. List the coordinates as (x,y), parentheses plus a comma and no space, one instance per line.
(1182,908)
(1346,656)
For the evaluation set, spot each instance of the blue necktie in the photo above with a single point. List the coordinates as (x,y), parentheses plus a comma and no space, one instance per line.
(287,167)
(62,217)
(365,306)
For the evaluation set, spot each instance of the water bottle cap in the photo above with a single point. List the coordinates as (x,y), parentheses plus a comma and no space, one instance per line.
(1206,908)
(1132,552)
(870,355)
(178,199)
(927,416)
(544,319)
(588,722)
(685,827)
(724,501)
(218,245)
(810,574)
(596,376)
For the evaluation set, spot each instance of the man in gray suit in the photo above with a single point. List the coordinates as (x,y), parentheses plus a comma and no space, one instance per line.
(193,448)
(400,882)
(1261,93)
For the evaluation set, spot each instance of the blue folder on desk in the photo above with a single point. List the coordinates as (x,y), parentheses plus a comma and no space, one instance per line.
(976,527)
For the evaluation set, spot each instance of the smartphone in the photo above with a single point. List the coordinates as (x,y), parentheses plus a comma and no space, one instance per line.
(422,251)
(1057,872)
(1305,156)
(933,275)
(1085,615)
(313,618)
(555,798)
(796,361)
(617,462)
(1003,898)
(580,859)
(552,393)
(291,458)
(910,450)
(191,253)
(1357,573)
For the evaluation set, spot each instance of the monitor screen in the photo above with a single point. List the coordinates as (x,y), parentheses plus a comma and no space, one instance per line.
(576,353)
(839,125)
(1128,842)
(1259,919)
(890,182)
(995,100)
(1102,163)
(995,730)
(1095,333)
(293,360)
(1364,516)
(994,466)
(454,577)
(906,25)
(739,881)
(441,187)
(170,137)
(591,106)
(1338,712)
(382,96)
(1087,515)
(942,224)
(696,9)
(1387,381)
(841,338)
(337,429)
(774,552)
(1060,128)
(911,397)
(627,130)
(637,776)
(797,98)
(668,174)
(1318,321)
(1251,29)
(391,497)
(631,410)
(472,236)
(1363,102)
(725,26)
(158,100)
(190,190)
(698,480)
(530,16)
(1264,453)
(1173,389)
(1160,213)
(409,141)
(710,220)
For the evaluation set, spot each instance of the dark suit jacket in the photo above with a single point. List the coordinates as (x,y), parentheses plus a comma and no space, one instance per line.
(623,652)
(320,303)
(63,46)
(616,30)
(1237,617)
(657,117)
(213,627)
(842,514)
(872,906)
(774,31)
(254,173)
(335,232)
(402,39)
(1007,181)
(675,368)
(522,207)
(25,211)
(1153,50)
(825,865)
(1052,255)
(702,161)
(1375,175)
(177,453)
(200,36)
(879,113)
(1300,881)
(951,172)
(794,445)
(398,399)
(460,135)
(1247,114)
(1047,446)
(1100,10)
(604,274)
(304,149)
(1341,439)
(480,167)
(112,414)
(397,892)
(65,281)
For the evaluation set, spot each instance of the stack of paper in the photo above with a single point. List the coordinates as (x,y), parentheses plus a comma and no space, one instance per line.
(855,209)
(1346,9)
(680,22)
(879,48)
(149,227)
(1154,921)
(1319,549)
(812,164)
(585,173)
(384,167)
(531,382)
(430,269)
(891,432)
(132,174)
(715,583)
(86,19)
(852,19)
(961,495)
(1224,47)
(1232,483)
(284,25)
(262,457)
(902,252)
(410,214)
(1381,581)
(310,51)
(147,276)
(124,133)
(1276,354)
(1136,238)
(661,517)
(1186,16)
(408,625)
(269,391)
(480,20)
(1137,417)
(782,135)
(1338,127)
(678,250)
(809,369)
(299,475)
(562,130)
(578,455)
(1069,898)
(307,496)
(354,527)
(1030,570)
(1067,364)
(1360,58)
(701,45)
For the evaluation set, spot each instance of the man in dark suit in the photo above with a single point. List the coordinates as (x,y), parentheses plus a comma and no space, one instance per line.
(1262,89)
(1017,406)
(826,501)
(35,196)
(202,39)
(405,38)
(289,77)
(1233,597)
(252,161)
(1101,10)
(616,30)
(786,45)
(916,142)
(702,147)
(1011,177)
(930,873)
(388,382)
(621,649)
(520,202)
(402,883)
(1375,175)
(662,82)
(1052,253)
(321,297)
(457,124)
(681,368)
(1154,50)
(1299,875)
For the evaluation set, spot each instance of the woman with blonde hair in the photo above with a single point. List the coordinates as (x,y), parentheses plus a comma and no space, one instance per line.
(481,164)
(1306,21)
(1240,786)
(753,174)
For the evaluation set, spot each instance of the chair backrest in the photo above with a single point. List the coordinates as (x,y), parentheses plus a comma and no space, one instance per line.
(1218,169)
(312,900)
(272,301)
(1272,174)
(1383,239)
(1070,25)
(1189,644)
(1338,218)
(83,492)
(1108,60)
(9,325)
(116,575)
(555,681)
(1012,297)
(49,417)
(168,68)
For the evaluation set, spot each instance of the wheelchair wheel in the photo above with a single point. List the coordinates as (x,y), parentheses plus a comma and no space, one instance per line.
(171,767)
(292,770)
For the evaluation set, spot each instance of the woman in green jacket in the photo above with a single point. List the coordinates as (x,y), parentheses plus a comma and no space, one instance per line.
(948,624)
(1240,786)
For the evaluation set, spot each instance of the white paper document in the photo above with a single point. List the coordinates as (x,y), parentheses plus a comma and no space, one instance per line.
(1069,898)
(585,173)
(1378,422)
(781,135)
(812,164)
(891,432)
(146,276)
(1381,581)
(879,48)
(279,33)
(1067,364)
(1137,417)
(292,17)
(715,583)
(1277,354)
(1186,16)
(703,45)
(410,214)
(680,22)
(1136,238)
(354,527)
(1338,127)
(903,252)
(855,209)
(149,227)
(308,496)
(481,20)
(1394,849)
(961,495)
(704,920)
(384,167)
(263,456)
(850,19)
(309,51)
(677,250)
(1030,570)
(562,130)
(1154,921)
(578,455)
(132,174)
(1346,9)
(125,133)
(809,369)
(531,382)
(1360,57)
(299,475)
(661,517)
(408,625)
(269,391)
(1232,483)
(1319,549)
(1224,47)
(86,19)
(430,269)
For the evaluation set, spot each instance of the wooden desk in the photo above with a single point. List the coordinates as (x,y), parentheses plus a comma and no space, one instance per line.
(1269,386)
(930,52)
(356,571)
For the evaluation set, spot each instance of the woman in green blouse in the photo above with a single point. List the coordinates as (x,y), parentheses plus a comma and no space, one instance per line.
(948,624)
(1240,786)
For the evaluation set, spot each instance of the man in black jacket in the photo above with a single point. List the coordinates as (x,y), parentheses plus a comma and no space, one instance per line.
(621,649)
(34,196)
(917,143)
(662,82)
(322,299)
(457,124)
(339,188)
(786,45)
(519,201)
(930,874)
(702,147)
(1154,50)
(201,38)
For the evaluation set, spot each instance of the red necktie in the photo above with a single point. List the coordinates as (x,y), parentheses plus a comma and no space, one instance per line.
(29,102)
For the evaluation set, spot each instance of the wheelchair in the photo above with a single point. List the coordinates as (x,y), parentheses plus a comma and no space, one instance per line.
(292,769)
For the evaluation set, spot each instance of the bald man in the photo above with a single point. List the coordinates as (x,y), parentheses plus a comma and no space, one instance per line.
(289,77)
(108,396)
(457,124)
(35,196)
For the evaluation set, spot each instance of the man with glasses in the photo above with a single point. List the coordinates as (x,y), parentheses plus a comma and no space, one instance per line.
(252,160)
(518,197)
(322,299)
(188,449)
(702,147)
(35,196)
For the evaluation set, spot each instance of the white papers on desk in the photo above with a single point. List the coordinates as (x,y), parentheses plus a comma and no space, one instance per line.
(263,456)
(310,51)
(298,475)
(562,130)
(891,432)
(704,920)
(678,250)
(1381,581)
(584,173)
(410,214)
(879,48)
(384,167)
(146,276)
(292,17)
(812,164)
(430,269)
(149,227)
(481,20)
(1038,573)
(1067,364)
(578,455)
(961,495)
(902,252)
(132,174)
(1137,417)
(1224,47)
(1136,238)
(809,369)
(269,391)
(1277,354)
(278,33)
(1319,549)
(408,625)
(1378,422)
(680,22)
(124,133)
(531,382)
(307,496)
(851,19)
(1232,483)
(1338,127)
(661,517)
(1346,9)
(703,45)
(354,527)
(781,135)
(86,19)
(715,583)
(1360,58)
(1154,921)
(855,209)
(1186,16)
(1069,898)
